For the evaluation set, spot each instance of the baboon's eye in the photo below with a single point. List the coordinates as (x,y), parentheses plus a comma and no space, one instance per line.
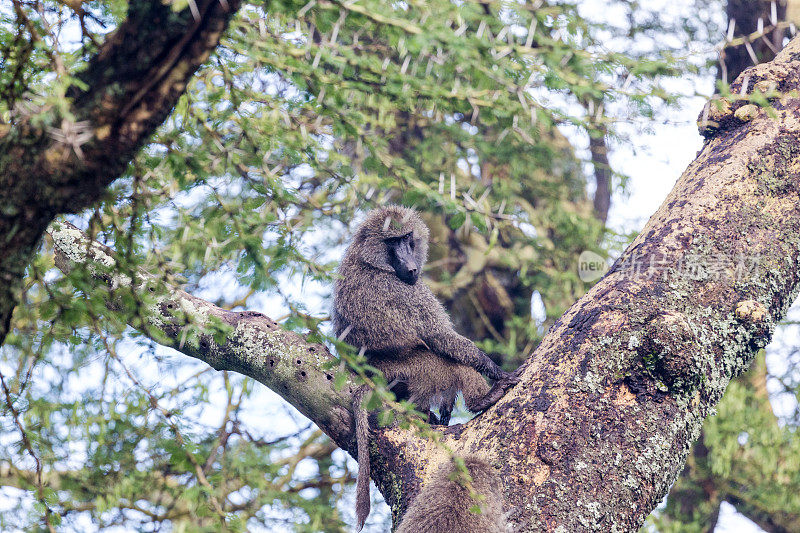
(394,241)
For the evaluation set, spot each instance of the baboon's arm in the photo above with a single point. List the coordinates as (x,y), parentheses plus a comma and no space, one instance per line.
(448,343)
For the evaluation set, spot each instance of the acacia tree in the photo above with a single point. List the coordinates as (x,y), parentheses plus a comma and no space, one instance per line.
(614,395)
(439,106)
(301,118)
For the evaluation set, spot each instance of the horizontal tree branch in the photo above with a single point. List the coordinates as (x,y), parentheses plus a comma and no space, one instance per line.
(302,373)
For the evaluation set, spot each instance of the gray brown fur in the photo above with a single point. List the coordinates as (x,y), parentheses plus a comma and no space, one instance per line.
(444,504)
(385,315)
(405,331)
(442,380)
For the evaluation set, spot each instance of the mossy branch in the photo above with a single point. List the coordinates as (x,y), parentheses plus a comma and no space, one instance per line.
(251,343)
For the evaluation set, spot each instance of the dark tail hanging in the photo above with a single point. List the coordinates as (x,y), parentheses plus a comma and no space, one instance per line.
(362,442)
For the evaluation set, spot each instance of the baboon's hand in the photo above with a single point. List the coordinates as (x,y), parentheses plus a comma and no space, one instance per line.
(506,381)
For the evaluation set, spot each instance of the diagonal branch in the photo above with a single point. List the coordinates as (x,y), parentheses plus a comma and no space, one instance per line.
(59,163)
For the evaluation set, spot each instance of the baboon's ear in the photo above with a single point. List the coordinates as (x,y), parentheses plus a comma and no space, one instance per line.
(374,252)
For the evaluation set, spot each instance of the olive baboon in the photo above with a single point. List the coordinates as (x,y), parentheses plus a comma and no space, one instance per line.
(446,505)
(403,329)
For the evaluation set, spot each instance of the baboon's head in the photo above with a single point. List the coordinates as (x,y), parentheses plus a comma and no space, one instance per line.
(394,239)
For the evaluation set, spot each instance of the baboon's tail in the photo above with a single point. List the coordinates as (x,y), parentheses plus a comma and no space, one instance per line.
(362,443)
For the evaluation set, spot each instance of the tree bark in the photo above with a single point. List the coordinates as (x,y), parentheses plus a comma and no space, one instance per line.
(56,164)
(695,498)
(610,402)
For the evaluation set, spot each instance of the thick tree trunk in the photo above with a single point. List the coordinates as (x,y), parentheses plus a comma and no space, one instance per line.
(695,498)
(612,399)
